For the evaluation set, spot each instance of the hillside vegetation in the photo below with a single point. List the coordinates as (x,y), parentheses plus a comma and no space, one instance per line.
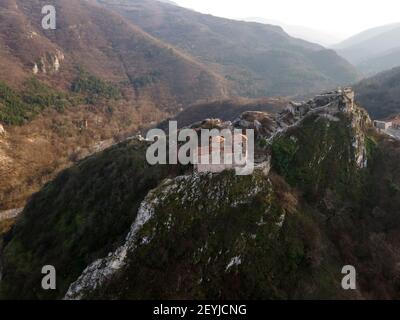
(380,94)
(92,208)
(18,108)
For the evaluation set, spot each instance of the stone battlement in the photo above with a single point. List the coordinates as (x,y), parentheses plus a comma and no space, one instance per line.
(333,101)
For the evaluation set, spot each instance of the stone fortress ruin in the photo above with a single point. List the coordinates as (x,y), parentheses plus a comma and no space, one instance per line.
(221,154)
(267,126)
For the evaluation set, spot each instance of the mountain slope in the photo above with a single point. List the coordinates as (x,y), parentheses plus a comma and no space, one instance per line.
(373,50)
(380,94)
(124,177)
(258,60)
(382,62)
(95,78)
(107,46)
(264,240)
(329,200)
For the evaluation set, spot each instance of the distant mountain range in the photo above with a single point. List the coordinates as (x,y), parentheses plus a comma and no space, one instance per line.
(305,33)
(257,59)
(373,50)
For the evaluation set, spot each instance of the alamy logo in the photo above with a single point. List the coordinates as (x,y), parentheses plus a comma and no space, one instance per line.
(49,280)
(49,20)
(217,150)
(349,280)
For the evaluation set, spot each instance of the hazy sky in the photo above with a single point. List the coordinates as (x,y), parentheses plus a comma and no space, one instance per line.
(339,17)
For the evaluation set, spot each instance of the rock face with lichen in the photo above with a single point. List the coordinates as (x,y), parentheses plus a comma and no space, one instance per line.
(157,217)
(51,62)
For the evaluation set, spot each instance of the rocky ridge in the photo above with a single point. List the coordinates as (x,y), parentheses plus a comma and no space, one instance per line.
(191,190)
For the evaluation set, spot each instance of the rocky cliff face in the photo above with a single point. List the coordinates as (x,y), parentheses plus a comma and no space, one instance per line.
(51,62)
